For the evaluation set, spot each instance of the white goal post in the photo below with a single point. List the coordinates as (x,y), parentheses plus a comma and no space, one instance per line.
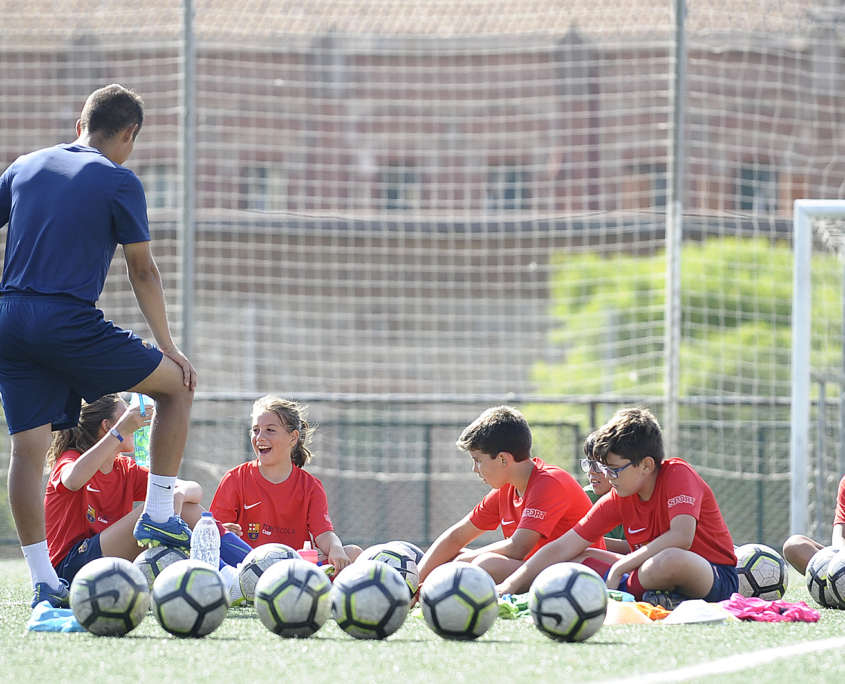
(805,212)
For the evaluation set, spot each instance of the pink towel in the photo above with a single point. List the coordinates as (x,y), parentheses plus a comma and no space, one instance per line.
(769,611)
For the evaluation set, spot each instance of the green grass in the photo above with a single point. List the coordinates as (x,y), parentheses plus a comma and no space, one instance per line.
(512,651)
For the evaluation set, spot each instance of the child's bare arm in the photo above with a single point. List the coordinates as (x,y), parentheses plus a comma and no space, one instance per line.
(517,547)
(680,535)
(329,543)
(567,547)
(77,474)
(448,545)
(839,536)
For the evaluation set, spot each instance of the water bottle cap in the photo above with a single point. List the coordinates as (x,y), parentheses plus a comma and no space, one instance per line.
(306,546)
(205,514)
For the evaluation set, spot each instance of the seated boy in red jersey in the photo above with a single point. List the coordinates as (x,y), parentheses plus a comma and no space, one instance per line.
(681,547)
(534,502)
(798,549)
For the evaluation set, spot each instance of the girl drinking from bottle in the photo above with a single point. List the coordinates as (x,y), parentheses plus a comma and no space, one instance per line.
(94,483)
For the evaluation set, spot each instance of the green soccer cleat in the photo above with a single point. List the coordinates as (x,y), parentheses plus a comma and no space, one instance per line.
(58,598)
(174,532)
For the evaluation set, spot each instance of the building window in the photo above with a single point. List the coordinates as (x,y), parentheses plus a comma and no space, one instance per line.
(758,189)
(160,185)
(401,188)
(508,188)
(644,187)
(265,189)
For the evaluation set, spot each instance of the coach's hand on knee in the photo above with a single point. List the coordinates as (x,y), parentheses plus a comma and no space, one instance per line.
(189,375)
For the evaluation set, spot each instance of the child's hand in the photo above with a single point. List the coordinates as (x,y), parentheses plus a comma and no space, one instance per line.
(234,528)
(132,420)
(338,558)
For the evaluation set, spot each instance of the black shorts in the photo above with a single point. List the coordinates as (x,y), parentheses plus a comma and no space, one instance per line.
(56,350)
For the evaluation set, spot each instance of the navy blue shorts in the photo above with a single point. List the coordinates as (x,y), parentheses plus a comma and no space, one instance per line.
(56,350)
(79,556)
(725,583)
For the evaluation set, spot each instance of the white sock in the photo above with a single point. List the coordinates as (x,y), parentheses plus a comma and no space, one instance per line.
(159,503)
(230,574)
(40,568)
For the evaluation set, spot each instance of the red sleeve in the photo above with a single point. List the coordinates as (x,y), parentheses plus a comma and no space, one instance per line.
(66,458)
(546,502)
(684,493)
(485,516)
(318,510)
(600,519)
(139,474)
(839,516)
(226,504)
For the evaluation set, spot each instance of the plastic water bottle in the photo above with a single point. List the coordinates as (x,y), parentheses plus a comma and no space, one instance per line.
(141,436)
(308,553)
(205,541)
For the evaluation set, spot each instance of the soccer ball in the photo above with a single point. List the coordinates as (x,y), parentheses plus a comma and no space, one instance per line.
(155,559)
(568,602)
(369,600)
(109,597)
(459,601)
(190,599)
(292,598)
(257,561)
(398,557)
(762,572)
(415,551)
(816,577)
(836,577)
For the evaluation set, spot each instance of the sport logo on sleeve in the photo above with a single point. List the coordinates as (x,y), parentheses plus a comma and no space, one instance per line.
(533,513)
(681,499)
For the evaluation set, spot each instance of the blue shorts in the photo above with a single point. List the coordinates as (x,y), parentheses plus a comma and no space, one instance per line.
(82,553)
(56,350)
(725,583)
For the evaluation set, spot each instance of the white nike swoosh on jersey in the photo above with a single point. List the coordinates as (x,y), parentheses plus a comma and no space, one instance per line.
(508,522)
(91,489)
(248,506)
(630,531)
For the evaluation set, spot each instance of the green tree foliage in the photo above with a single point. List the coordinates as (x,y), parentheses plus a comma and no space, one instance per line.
(736,299)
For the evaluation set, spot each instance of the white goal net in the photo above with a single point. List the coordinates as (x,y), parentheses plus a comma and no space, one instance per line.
(405,212)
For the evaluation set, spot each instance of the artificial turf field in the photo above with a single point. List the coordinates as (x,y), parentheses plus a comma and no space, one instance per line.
(242,650)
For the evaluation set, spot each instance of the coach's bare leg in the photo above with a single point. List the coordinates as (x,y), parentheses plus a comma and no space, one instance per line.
(26,493)
(169,433)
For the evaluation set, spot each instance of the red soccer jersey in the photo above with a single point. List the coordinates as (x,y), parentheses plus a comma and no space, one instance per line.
(105,499)
(679,490)
(839,516)
(552,503)
(290,512)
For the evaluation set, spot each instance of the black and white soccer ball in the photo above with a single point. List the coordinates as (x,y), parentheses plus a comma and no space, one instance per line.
(836,577)
(459,601)
(817,581)
(415,551)
(257,561)
(398,557)
(762,572)
(109,596)
(568,602)
(292,598)
(370,600)
(190,599)
(153,560)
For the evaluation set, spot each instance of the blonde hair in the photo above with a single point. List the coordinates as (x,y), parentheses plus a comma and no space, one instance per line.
(291,415)
(87,433)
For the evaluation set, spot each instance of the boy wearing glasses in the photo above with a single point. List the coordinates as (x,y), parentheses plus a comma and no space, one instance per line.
(534,502)
(681,547)
(597,487)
